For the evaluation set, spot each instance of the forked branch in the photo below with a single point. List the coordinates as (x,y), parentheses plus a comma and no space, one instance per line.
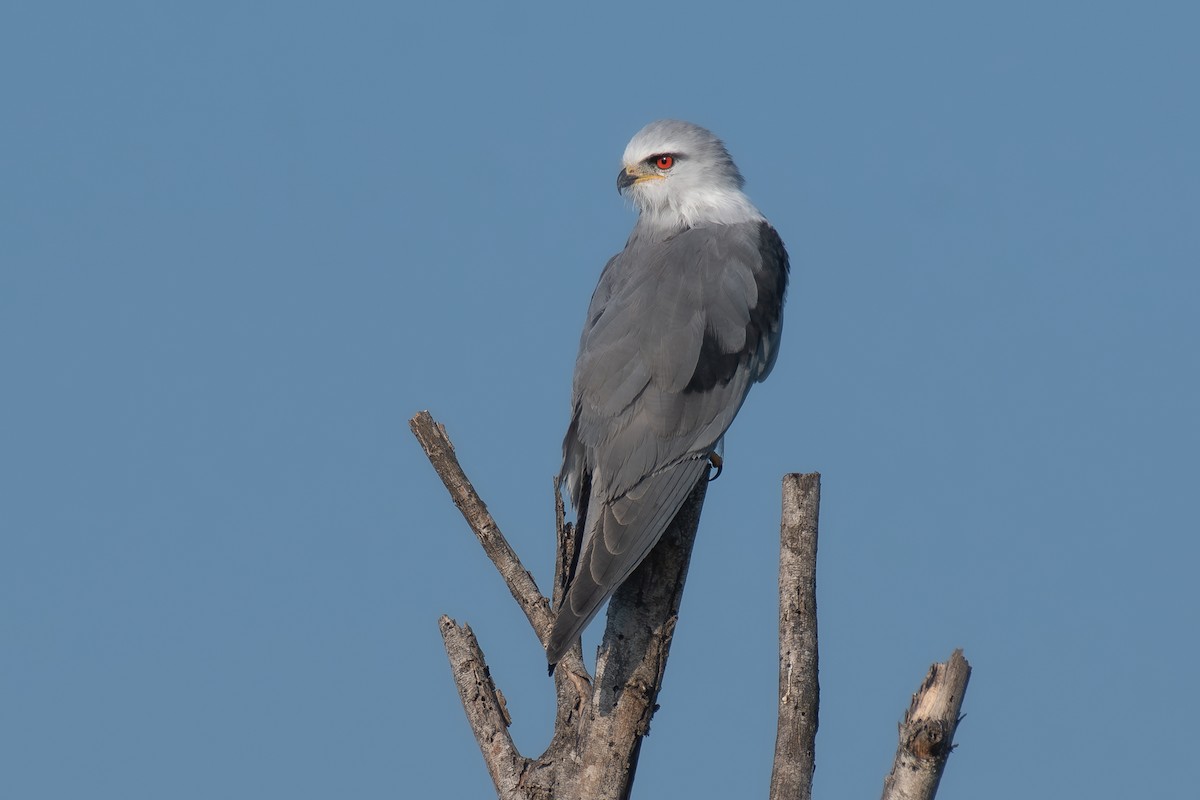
(599,724)
(598,729)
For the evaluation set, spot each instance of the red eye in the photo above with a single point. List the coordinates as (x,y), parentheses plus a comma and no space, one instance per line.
(664,162)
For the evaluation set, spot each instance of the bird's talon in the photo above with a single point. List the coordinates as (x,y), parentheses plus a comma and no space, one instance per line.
(718,464)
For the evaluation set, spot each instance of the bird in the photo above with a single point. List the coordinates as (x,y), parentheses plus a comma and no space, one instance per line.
(683,321)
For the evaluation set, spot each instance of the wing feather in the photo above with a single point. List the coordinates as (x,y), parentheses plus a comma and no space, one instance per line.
(619,537)
(678,330)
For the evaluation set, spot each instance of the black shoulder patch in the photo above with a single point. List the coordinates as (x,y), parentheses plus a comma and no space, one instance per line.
(772,282)
(716,367)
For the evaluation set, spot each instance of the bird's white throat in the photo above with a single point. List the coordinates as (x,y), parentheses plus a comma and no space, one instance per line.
(698,206)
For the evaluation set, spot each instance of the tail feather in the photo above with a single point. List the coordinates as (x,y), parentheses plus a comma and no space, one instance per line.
(619,534)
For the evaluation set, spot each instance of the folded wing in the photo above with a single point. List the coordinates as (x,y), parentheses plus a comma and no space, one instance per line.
(677,332)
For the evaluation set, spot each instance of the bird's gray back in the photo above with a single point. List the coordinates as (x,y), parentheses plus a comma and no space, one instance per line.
(677,330)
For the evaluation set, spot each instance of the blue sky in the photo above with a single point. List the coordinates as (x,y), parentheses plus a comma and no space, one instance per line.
(243,243)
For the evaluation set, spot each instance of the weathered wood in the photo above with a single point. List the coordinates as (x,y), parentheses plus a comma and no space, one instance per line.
(485,708)
(600,724)
(633,658)
(440,451)
(927,733)
(799,693)
(598,731)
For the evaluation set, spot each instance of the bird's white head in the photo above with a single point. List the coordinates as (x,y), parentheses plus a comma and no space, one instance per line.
(680,175)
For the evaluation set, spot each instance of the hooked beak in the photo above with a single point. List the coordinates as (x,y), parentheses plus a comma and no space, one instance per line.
(625,179)
(635,173)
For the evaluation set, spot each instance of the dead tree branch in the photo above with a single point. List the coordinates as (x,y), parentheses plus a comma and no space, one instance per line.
(485,707)
(440,451)
(633,659)
(799,692)
(599,725)
(927,733)
(598,730)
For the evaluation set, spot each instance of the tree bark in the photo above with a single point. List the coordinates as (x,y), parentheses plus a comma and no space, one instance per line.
(599,724)
(440,451)
(598,728)
(632,662)
(927,733)
(799,692)
(486,711)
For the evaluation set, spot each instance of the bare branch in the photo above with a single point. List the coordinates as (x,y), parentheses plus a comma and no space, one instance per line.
(440,451)
(633,657)
(485,707)
(927,733)
(799,693)
(600,723)
(480,697)
(598,731)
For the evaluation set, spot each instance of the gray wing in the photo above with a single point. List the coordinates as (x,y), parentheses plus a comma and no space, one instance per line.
(677,332)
